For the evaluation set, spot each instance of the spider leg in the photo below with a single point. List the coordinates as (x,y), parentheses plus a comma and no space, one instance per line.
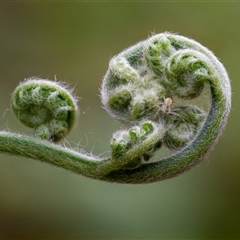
(178,115)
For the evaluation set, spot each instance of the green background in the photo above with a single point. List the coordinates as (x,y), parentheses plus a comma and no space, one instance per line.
(73,41)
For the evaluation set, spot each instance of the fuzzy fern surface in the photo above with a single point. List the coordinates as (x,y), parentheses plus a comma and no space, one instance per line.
(146,87)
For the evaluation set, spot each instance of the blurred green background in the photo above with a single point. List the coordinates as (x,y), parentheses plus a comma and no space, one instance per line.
(74,42)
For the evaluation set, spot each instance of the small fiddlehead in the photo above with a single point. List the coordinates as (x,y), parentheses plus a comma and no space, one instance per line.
(141,89)
(45,106)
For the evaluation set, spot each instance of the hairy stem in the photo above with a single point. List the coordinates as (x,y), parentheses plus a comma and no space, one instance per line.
(21,145)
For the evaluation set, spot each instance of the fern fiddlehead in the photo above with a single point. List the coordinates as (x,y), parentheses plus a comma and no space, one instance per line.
(140,88)
(45,106)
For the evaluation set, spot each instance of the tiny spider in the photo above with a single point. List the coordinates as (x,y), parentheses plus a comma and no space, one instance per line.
(165,108)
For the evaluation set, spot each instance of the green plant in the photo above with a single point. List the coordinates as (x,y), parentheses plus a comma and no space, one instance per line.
(141,87)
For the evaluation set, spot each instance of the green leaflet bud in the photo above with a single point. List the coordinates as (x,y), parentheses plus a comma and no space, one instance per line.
(146,128)
(135,101)
(119,101)
(187,71)
(125,141)
(46,106)
(183,124)
(158,49)
(121,68)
